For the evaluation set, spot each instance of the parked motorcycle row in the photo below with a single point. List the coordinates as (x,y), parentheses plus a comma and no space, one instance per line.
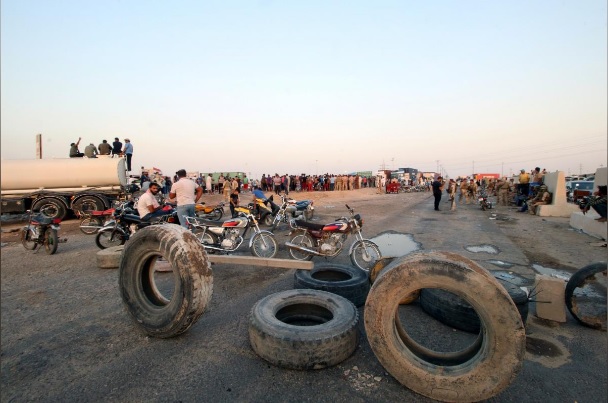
(113,227)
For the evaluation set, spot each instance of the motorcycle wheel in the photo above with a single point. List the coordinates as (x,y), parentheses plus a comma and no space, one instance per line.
(50,241)
(208,238)
(90,222)
(26,239)
(301,240)
(365,254)
(267,220)
(215,215)
(109,237)
(264,245)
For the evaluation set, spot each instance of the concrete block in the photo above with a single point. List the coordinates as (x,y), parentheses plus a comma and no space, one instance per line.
(588,224)
(550,298)
(600,177)
(559,207)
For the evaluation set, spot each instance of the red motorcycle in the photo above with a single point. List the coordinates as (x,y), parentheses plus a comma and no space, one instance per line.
(93,221)
(328,240)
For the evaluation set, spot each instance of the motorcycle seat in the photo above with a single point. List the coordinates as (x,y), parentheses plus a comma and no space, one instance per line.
(132,217)
(309,225)
(42,219)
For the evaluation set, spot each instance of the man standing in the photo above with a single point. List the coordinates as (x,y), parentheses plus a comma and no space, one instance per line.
(147,205)
(116,147)
(104,148)
(437,186)
(524,183)
(74,152)
(503,187)
(128,151)
(90,151)
(208,184)
(188,193)
(452,194)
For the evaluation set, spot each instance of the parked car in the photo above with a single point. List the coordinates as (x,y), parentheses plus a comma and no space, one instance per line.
(576,190)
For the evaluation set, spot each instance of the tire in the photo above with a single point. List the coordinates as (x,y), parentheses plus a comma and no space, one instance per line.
(303,329)
(364,254)
(192,275)
(53,208)
(50,241)
(88,204)
(579,279)
(26,239)
(267,220)
(276,221)
(302,240)
(378,269)
(459,314)
(215,215)
(344,280)
(90,222)
(479,373)
(103,241)
(264,245)
(209,238)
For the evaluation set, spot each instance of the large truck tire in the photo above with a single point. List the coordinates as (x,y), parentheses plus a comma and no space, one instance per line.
(303,329)
(459,314)
(347,281)
(489,365)
(378,269)
(87,204)
(51,207)
(193,280)
(110,258)
(578,280)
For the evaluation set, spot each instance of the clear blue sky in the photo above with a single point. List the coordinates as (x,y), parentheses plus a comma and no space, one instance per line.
(310,86)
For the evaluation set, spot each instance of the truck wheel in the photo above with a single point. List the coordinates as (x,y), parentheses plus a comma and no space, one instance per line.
(459,314)
(88,204)
(165,312)
(346,281)
(493,360)
(593,318)
(53,208)
(378,269)
(303,329)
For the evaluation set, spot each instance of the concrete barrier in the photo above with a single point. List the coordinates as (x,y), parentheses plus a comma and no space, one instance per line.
(559,207)
(587,222)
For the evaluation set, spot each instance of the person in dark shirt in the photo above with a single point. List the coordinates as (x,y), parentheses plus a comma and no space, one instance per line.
(116,147)
(437,189)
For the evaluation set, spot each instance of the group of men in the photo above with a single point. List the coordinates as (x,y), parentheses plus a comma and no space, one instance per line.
(104,148)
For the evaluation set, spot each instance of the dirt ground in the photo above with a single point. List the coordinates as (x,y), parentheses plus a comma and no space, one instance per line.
(65,334)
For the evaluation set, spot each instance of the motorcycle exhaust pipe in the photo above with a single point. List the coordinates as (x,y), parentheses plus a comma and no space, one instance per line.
(303,249)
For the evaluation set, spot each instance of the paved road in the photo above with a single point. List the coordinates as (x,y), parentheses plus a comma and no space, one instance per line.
(66,336)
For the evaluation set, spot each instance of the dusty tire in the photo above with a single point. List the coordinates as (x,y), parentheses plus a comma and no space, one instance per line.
(379,268)
(51,207)
(27,239)
(457,313)
(481,373)
(192,278)
(90,222)
(303,329)
(578,280)
(51,240)
(346,281)
(109,258)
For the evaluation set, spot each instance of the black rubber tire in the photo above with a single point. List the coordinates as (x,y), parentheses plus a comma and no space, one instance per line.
(264,245)
(193,280)
(454,311)
(302,239)
(90,221)
(358,257)
(102,239)
(26,239)
(303,329)
(53,208)
(267,220)
(276,220)
(88,204)
(485,369)
(344,280)
(50,241)
(577,280)
(215,215)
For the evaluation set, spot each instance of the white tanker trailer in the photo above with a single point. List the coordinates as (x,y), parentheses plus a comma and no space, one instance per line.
(58,186)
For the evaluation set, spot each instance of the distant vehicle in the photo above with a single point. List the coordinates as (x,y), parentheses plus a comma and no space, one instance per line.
(576,190)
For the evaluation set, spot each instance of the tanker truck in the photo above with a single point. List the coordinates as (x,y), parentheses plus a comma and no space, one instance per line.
(57,187)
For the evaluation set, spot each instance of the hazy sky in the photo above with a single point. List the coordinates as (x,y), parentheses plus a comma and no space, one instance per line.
(310,86)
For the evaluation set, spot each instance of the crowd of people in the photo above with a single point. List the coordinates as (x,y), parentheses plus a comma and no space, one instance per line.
(104,148)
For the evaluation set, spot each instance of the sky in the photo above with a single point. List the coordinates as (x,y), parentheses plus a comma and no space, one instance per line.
(265,86)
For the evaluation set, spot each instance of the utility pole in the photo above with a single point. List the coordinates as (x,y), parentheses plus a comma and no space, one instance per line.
(473,169)
(39,146)
(502,169)
(580,169)
(317,168)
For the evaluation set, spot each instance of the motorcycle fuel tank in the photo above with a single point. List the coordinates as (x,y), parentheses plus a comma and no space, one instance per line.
(338,226)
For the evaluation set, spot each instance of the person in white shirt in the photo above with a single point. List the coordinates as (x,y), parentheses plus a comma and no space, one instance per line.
(147,205)
(188,193)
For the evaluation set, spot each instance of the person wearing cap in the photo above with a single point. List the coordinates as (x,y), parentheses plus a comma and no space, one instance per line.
(90,151)
(524,183)
(542,197)
(116,147)
(188,193)
(437,186)
(128,152)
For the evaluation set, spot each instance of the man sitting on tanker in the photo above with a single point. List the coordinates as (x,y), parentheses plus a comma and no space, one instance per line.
(148,207)
(90,151)
(74,153)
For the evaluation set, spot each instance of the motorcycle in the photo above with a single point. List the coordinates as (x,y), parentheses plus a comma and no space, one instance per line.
(328,240)
(125,223)
(291,209)
(227,236)
(93,221)
(484,203)
(210,212)
(41,230)
(264,210)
